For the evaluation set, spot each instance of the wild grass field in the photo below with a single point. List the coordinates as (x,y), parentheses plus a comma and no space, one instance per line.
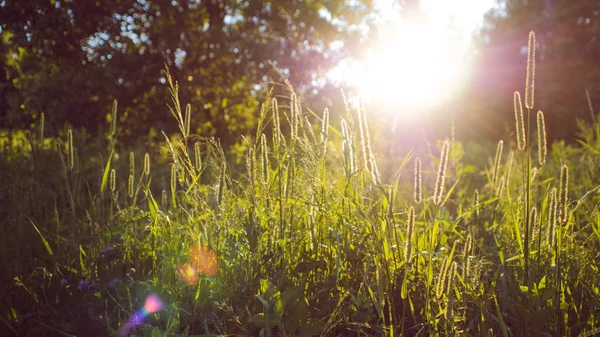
(302,235)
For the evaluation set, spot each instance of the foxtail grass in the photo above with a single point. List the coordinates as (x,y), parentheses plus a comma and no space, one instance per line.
(173,185)
(70,151)
(187,121)
(476,202)
(541,134)
(113,122)
(520,124)
(530,79)
(552,219)
(410,233)
(131,164)
(130,187)
(418,193)
(325,130)
(41,128)
(147,164)
(276,123)
(113,180)
(497,163)
(365,140)
(441,175)
(264,155)
(442,280)
(563,196)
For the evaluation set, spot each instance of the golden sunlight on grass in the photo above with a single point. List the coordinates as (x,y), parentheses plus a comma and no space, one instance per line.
(413,67)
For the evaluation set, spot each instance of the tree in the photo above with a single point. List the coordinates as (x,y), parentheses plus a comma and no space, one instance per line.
(567,55)
(71,58)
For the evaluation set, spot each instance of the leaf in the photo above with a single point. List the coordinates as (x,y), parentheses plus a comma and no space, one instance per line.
(265,332)
(152,207)
(156,332)
(48,249)
(263,320)
(290,295)
(264,302)
(267,289)
(106,172)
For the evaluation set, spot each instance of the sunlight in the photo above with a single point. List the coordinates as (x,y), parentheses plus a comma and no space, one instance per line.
(416,63)
(414,68)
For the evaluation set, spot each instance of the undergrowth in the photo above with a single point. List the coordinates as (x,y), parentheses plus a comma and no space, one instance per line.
(304,237)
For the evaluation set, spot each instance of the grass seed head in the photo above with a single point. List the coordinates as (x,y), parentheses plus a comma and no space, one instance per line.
(534,172)
(418,186)
(375,171)
(442,277)
(364,137)
(497,162)
(276,122)
(250,167)
(41,128)
(163,198)
(147,164)
(476,202)
(441,175)
(113,120)
(113,180)
(564,194)
(70,151)
(541,134)
(173,179)
(534,228)
(520,124)
(197,156)
(264,151)
(410,233)
(325,129)
(552,218)
(187,120)
(131,164)
(530,80)
(130,186)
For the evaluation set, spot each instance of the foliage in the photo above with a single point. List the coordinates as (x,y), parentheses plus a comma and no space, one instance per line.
(70,59)
(309,238)
(567,75)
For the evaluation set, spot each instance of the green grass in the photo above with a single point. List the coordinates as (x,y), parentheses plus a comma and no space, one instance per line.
(310,239)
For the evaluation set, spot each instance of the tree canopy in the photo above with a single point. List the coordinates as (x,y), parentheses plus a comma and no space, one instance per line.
(70,59)
(567,52)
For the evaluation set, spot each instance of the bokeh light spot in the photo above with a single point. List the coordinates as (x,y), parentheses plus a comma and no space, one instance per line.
(204,260)
(153,303)
(188,274)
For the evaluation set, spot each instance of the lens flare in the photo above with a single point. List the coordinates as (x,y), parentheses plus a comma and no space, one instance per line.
(204,260)
(153,304)
(188,274)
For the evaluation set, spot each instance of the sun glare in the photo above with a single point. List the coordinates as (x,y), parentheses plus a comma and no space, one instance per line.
(413,68)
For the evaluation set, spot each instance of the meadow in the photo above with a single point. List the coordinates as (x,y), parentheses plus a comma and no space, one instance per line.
(298,234)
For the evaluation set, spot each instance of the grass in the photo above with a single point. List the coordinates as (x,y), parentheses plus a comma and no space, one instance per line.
(304,237)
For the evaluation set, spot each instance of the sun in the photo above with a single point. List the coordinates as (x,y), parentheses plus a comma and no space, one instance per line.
(413,68)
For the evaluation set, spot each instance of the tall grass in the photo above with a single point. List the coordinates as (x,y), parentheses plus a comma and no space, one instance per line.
(304,237)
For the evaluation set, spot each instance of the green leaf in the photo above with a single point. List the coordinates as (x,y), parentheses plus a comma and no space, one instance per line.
(265,332)
(267,289)
(48,249)
(106,172)
(264,302)
(156,332)
(263,320)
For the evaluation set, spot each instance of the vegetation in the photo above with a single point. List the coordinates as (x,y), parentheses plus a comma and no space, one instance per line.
(303,236)
(567,78)
(89,53)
